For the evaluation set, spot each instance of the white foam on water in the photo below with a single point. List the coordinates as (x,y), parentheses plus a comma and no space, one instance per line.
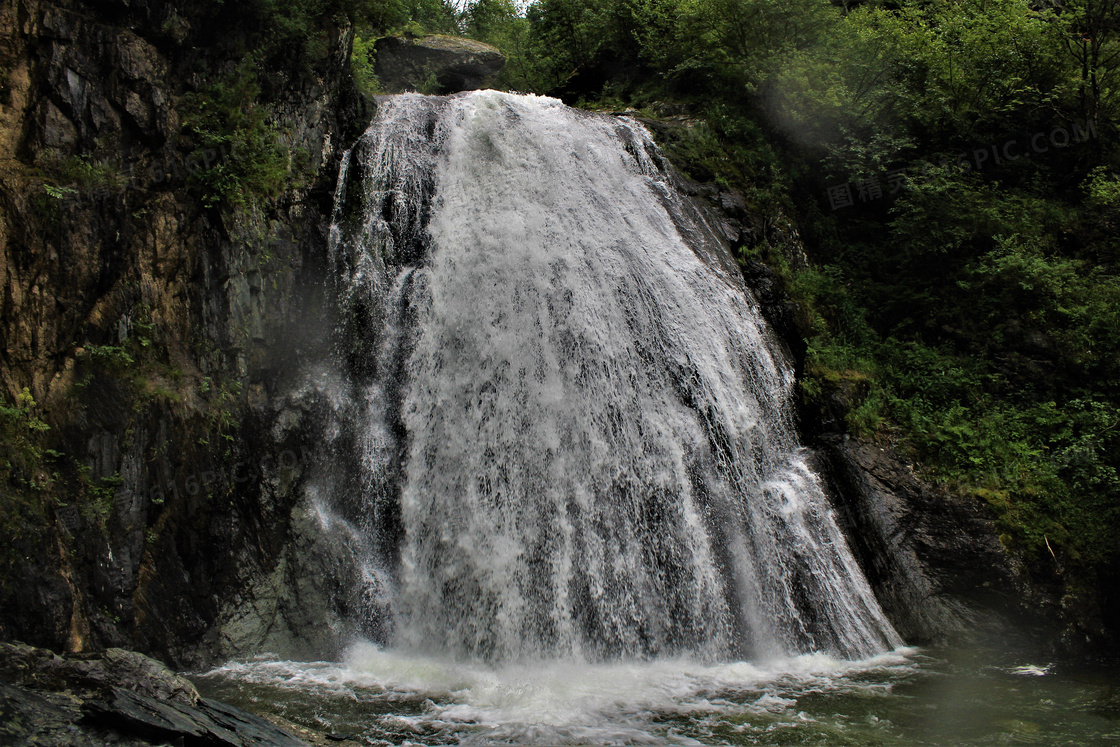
(571,702)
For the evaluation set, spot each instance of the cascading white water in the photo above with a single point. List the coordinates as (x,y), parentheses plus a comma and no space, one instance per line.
(574,428)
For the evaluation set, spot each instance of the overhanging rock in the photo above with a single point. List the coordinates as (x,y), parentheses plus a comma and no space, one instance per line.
(458,64)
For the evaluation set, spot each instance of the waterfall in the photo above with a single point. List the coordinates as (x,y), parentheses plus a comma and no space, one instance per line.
(571,426)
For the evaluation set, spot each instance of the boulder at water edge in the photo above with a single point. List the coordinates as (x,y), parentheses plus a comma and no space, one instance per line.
(119,697)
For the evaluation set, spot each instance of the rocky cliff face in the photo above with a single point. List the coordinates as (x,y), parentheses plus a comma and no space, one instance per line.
(941,570)
(154,323)
(934,558)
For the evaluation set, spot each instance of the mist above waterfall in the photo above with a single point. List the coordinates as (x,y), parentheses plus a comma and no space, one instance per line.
(570,426)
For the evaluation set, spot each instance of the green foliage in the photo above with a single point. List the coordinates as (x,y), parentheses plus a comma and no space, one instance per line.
(73,175)
(135,348)
(28,477)
(97,495)
(568,33)
(1099,224)
(114,357)
(1091,43)
(1049,469)
(490,19)
(294,33)
(752,39)
(498,22)
(361,63)
(69,178)
(430,16)
(21,435)
(430,84)
(964,73)
(222,404)
(139,359)
(59,193)
(236,152)
(1104,190)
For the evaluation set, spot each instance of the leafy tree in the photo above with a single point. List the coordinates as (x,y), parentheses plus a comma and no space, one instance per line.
(498,22)
(753,37)
(1092,41)
(568,33)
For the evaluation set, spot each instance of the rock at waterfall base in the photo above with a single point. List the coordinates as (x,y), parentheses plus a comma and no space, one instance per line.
(115,695)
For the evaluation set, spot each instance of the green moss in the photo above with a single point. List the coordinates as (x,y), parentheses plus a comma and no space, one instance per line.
(361,63)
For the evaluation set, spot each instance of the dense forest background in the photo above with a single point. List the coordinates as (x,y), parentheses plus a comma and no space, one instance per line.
(951,167)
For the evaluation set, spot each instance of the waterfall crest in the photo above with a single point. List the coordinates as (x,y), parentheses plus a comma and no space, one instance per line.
(572,423)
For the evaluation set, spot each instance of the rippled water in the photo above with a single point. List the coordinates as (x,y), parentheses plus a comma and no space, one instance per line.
(908,696)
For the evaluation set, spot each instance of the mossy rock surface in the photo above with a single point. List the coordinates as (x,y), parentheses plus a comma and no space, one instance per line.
(435,63)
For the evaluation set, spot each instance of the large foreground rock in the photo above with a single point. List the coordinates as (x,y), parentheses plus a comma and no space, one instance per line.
(115,696)
(458,64)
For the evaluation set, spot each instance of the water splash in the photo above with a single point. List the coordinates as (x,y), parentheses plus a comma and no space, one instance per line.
(390,697)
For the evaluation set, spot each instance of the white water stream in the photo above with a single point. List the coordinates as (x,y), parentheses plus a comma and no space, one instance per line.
(573,401)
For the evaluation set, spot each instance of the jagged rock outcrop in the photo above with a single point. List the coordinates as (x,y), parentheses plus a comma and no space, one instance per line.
(119,697)
(934,558)
(457,64)
(40,669)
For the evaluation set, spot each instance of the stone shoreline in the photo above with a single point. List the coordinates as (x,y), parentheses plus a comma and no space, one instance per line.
(119,697)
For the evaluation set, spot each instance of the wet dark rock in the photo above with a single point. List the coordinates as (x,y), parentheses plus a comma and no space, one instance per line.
(933,558)
(45,670)
(49,720)
(208,723)
(780,312)
(458,64)
(118,696)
